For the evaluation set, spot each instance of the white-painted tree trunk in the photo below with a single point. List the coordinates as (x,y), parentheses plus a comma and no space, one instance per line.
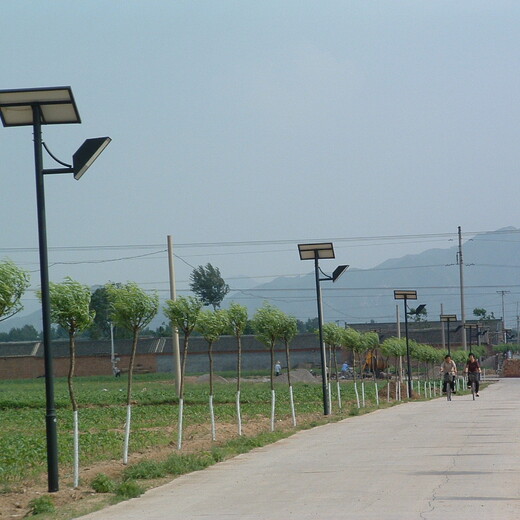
(181,417)
(329,390)
(425,390)
(339,394)
(363,394)
(76,448)
(127,433)
(407,390)
(239,416)
(212,414)
(388,392)
(291,396)
(273,406)
(377,394)
(357,394)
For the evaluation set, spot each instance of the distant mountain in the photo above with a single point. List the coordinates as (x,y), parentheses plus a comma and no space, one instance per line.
(491,264)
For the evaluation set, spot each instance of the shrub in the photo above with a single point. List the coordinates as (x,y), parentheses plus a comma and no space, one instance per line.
(144,470)
(42,504)
(129,489)
(103,484)
(179,464)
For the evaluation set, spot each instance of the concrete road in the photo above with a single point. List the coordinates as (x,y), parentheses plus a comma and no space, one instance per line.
(426,460)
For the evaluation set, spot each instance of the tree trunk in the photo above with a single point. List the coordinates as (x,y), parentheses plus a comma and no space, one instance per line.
(129,397)
(291,396)
(211,410)
(239,375)
(72,367)
(181,392)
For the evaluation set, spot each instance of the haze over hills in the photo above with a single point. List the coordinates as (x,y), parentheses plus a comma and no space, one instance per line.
(491,264)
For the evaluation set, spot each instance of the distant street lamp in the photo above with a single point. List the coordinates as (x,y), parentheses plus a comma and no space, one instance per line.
(36,107)
(316,252)
(407,295)
(447,318)
(469,327)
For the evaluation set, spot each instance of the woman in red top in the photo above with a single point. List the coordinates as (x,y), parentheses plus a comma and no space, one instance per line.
(473,371)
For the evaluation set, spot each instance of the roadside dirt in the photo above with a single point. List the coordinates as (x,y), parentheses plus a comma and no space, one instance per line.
(15,502)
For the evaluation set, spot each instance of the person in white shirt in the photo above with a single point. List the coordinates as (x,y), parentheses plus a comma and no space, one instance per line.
(448,371)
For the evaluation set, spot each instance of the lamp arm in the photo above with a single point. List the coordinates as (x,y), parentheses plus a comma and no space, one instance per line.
(55,158)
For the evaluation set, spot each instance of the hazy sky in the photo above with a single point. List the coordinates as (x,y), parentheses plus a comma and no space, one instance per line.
(263,124)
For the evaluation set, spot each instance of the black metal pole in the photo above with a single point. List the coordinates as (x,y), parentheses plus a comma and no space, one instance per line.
(407,348)
(326,404)
(449,350)
(50,417)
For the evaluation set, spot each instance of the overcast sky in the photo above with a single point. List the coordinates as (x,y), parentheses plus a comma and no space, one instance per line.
(263,124)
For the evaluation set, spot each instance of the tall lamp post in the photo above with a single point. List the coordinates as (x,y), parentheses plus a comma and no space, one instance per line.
(470,327)
(406,295)
(448,318)
(316,252)
(36,107)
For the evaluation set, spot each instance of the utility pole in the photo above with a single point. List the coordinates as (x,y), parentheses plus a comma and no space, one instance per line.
(175,332)
(504,335)
(461,272)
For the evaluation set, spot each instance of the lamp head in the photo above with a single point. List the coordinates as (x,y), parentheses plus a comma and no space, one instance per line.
(87,153)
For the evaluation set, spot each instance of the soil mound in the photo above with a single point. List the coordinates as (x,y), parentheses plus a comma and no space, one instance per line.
(298,375)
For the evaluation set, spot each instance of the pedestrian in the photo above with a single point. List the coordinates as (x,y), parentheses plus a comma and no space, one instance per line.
(277,368)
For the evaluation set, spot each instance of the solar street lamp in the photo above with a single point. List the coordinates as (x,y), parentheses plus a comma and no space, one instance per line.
(448,318)
(316,252)
(36,107)
(407,295)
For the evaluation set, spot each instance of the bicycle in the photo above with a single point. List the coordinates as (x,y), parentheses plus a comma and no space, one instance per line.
(472,379)
(448,380)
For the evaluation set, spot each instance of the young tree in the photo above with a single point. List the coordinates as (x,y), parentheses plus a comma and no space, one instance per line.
(207,283)
(183,314)
(268,323)
(100,304)
(70,309)
(237,316)
(332,334)
(132,309)
(211,325)
(482,314)
(13,283)
(288,330)
(351,340)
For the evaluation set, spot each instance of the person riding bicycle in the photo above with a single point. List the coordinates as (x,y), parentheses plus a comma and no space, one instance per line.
(448,371)
(472,369)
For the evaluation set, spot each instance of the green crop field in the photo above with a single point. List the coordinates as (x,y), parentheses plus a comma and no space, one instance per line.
(154,416)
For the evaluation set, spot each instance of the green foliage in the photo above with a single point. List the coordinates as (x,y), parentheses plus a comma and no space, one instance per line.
(288,328)
(25,333)
(207,283)
(40,505)
(102,483)
(183,313)
(129,489)
(131,307)
(178,464)
(13,283)
(237,316)
(212,324)
(268,323)
(482,314)
(70,305)
(502,348)
(332,334)
(146,469)
(100,305)
(394,347)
